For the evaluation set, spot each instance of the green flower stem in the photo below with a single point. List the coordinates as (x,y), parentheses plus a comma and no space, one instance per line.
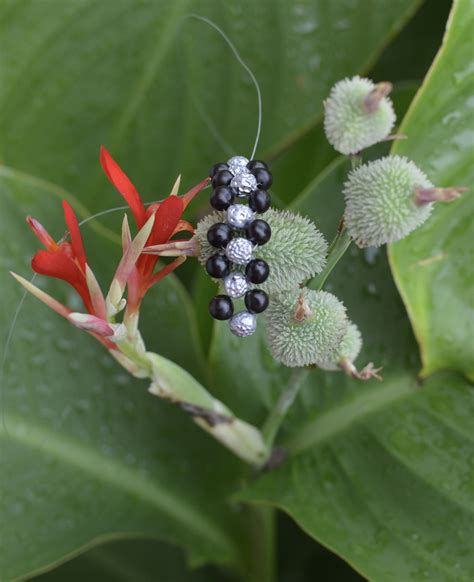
(261,544)
(338,247)
(278,413)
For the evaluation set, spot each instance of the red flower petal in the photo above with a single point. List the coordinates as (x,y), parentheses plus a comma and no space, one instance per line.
(74,231)
(192,193)
(123,185)
(42,234)
(167,217)
(59,265)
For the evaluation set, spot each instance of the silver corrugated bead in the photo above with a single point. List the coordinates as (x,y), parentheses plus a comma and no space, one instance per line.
(243,324)
(244,183)
(238,164)
(236,285)
(239,215)
(239,251)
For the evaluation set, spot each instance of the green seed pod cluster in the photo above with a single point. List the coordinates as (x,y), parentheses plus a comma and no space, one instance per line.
(305,327)
(351,126)
(380,201)
(295,252)
(349,349)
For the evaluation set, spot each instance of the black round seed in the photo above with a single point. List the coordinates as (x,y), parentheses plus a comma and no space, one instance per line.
(221,198)
(219,234)
(259,201)
(257,271)
(256,301)
(217,168)
(221,307)
(222,178)
(263,177)
(255,164)
(259,232)
(218,266)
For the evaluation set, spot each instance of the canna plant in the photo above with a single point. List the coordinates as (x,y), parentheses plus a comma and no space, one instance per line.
(296,416)
(385,201)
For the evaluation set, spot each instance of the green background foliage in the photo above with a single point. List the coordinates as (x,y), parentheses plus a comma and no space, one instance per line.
(381,474)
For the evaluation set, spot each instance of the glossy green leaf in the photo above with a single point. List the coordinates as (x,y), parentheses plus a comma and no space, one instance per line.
(163,92)
(131,561)
(87,453)
(432,266)
(385,478)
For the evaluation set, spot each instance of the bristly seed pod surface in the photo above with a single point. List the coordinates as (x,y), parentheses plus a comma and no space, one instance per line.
(349,126)
(349,348)
(316,337)
(295,252)
(380,201)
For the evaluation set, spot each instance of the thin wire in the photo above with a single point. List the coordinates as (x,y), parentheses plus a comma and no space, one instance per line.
(5,353)
(245,66)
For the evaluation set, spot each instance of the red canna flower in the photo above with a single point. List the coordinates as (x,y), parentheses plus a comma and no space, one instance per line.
(66,260)
(167,223)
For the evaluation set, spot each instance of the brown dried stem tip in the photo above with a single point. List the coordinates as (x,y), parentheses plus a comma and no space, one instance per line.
(381,90)
(427,195)
(176,248)
(395,137)
(302,311)
(365,374)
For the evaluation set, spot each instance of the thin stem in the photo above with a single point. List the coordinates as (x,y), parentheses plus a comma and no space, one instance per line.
(261,544)
(338,247)
(278,413)
(339,244)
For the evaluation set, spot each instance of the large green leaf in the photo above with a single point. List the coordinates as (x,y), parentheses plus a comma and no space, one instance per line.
(158,88)
(432,267)
(87,453)
(131,561)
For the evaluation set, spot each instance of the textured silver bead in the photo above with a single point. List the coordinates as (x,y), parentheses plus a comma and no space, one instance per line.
(239,215)
(239,251)
(243,184)
(238,164)
(243,324)
(236,285)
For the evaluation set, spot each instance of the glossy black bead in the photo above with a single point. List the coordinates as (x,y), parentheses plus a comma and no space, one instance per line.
(219,234)
(259,201)
(221,307)
(218,266)
(263,177)
(259,232)
(222,178)
(256,301)
(255,164)
(217,168)
(257,271)
(221,198)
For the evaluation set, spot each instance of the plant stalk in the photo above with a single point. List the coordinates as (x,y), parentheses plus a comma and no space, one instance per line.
(338,247)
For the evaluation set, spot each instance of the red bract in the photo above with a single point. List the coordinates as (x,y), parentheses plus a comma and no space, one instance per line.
(167,223)
(65,260)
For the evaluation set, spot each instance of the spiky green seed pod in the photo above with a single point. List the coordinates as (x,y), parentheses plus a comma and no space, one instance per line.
(356,116)
(381,201)
(349,349)
(296,251)
(305,327)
